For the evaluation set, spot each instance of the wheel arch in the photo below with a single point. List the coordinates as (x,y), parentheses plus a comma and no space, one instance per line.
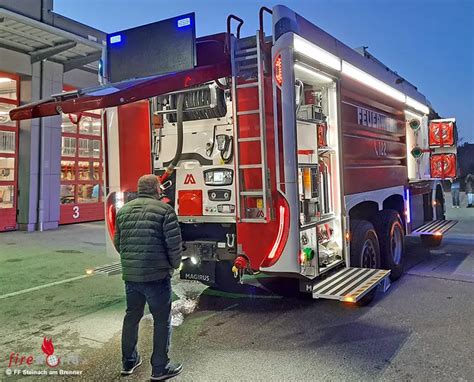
(364,210)
(397,203)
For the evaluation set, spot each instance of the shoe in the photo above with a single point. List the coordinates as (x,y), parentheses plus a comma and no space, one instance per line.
(128,371)
(172,370)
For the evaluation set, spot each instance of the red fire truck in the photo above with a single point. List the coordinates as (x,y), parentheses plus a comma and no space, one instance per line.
(291,155)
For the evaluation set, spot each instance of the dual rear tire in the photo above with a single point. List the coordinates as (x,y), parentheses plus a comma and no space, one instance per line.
(365,251)
(391,237)
(378,244)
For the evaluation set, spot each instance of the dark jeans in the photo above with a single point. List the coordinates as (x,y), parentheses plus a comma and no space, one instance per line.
(455,195)
(158,296)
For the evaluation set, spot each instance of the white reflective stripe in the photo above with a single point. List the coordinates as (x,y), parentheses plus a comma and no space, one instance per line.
(42,286)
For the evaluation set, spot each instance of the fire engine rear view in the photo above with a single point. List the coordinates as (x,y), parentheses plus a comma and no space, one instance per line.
(291,156)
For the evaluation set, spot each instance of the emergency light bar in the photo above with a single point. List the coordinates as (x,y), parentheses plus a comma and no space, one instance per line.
(330,60)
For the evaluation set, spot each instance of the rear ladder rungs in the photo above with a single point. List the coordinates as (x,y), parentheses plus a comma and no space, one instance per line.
(247,85)
(248,166)
(248,65)
(252,193)
(249,139)
(248,112)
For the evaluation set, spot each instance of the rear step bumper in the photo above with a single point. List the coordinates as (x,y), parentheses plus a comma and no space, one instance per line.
(351,284)
(435,227)
(108,270)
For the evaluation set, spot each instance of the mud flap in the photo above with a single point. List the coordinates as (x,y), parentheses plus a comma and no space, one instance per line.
(203,271)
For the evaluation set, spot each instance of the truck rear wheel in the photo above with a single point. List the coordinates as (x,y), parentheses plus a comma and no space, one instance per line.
(365,251)
(391,237)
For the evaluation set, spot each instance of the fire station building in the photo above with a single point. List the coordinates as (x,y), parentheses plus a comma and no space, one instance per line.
(51,168)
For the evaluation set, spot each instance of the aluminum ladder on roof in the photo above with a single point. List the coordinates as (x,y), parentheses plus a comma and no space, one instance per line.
(248,75)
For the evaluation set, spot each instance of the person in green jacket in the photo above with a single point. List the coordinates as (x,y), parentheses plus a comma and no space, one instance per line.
(148,238)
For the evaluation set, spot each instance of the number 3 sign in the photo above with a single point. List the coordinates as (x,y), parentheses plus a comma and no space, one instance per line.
(75,212)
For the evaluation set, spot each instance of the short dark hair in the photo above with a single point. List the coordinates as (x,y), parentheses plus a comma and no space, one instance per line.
(148,185)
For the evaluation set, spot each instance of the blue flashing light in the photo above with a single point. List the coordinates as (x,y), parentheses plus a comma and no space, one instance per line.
(407,205)
(184,22)
(115,39)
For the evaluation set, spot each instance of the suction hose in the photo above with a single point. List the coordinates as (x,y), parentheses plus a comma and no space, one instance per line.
(179,146)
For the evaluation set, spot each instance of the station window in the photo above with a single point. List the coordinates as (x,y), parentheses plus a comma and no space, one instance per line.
(81,162)
(81,167)
(4,113)
(7,142)
(7,196)
(9,91)
(7,169)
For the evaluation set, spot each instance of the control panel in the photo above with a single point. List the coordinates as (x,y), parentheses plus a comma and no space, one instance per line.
(205,190)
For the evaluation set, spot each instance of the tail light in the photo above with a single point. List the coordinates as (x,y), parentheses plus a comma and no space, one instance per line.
(283,218)
(441,133)
(443,166)
(278,70)
(110,214)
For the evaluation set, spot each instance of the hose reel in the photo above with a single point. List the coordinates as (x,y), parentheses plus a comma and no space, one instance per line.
(204,102)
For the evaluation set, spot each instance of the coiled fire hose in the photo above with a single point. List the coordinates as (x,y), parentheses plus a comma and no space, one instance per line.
(179,147)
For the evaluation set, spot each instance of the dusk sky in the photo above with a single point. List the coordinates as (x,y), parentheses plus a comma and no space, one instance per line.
(428,42)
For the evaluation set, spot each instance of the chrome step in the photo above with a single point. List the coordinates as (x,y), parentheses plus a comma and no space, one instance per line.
(351,284)
(245,51)
(435,227)
(108,270)
(247,67)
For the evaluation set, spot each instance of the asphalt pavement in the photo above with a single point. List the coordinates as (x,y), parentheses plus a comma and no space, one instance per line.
(421,329)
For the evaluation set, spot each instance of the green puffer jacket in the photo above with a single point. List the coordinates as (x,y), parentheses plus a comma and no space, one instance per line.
(148,238)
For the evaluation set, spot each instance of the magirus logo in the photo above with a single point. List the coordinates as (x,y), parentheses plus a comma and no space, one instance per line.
(48,349)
